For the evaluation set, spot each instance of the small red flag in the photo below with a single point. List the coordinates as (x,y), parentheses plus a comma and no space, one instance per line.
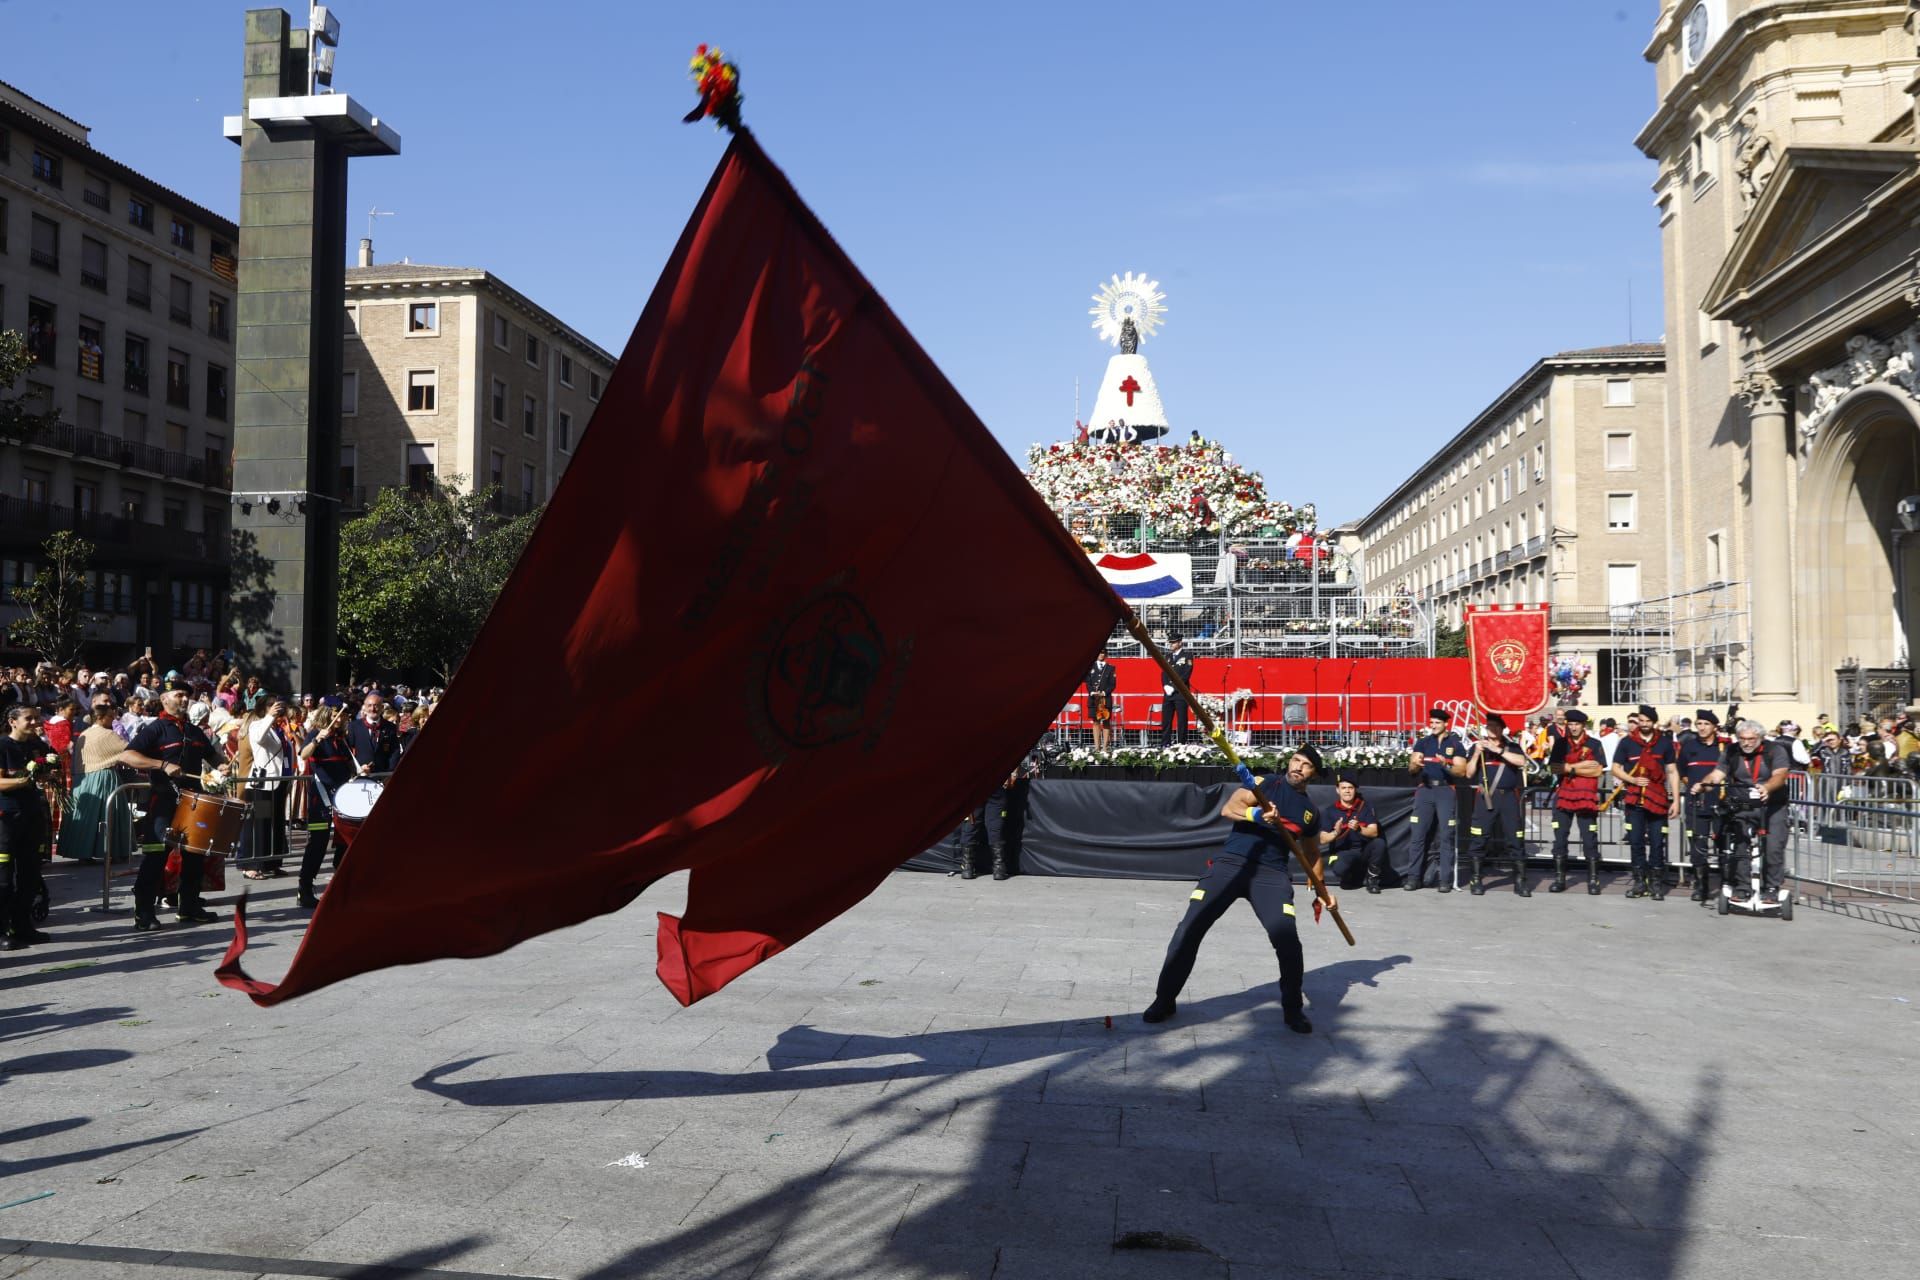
(790,612)
(1507,648)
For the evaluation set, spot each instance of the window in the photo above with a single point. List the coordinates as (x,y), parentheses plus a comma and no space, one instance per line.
(502,334)
(216,393)
(1506,436)
(34,484)
(1506,483)
(43,333)
(86,498)
(1540,462)
(182,234)
(178,365)
(96,192)
(45,250)
(3,226)
(93,264)
(179,300)
(136,365)
(353,320)
(419,467)
(215,452)
(529,416)
(92,359)
(1717,556)
(6,145)
(1520,478)
(533,351)
(219,317)
(1701,173)
(225,264)
(566,370)
(422,390)
(526,486)
(566,432)
(133,426)
(497,469)
(1619,393)
(173,515)
(423,317)
(177,441)
(1619,451)
(47,167)
(1623,586)
(349,393)
(349,475)
(139,284)
(91,415)
(140,212)
(1620,512)
(499,401)
(593,386)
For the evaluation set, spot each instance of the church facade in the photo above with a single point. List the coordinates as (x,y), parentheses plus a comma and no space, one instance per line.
(1789,204)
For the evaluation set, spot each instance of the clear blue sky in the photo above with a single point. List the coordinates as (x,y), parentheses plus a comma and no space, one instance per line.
(1368,219)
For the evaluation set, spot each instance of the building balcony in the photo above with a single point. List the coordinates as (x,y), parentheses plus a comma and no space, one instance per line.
(41,258)
(93,280)
(22,520)
(137,381)
(81,442)
(140,299)
(96,199)
(1536,546)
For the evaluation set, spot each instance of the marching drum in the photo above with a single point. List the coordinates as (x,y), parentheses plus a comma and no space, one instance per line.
(208,824)
(352,803)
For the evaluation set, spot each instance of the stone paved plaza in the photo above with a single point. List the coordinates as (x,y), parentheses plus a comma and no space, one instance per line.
(1564,1086)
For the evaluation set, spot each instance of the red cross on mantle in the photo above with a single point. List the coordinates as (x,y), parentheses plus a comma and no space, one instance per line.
(1130,386)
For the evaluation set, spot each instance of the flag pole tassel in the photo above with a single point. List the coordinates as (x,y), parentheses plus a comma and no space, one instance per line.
(1315,880)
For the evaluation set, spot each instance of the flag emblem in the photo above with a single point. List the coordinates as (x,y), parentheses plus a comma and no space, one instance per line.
(1509,659)
(1166,578)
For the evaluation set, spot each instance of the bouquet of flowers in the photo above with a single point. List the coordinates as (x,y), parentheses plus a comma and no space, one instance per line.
(718,82)
(47,774)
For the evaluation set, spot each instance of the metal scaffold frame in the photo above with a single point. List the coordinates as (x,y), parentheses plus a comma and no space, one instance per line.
(1694,647)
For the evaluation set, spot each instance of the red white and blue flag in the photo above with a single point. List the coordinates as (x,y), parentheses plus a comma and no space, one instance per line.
(1166,578)
(1302,546)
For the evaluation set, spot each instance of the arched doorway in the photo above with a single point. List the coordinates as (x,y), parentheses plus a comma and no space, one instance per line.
(1851,541)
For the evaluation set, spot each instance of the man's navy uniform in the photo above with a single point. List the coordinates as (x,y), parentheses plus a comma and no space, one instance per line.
(172,742)
(1433,816)
(1706,834)
(1496,812)
(991,823)
(1255,864)
(1576,802)
(1647,803)
(26,825)
(1360,859)
(1171,703)
(332,768)
(375,745)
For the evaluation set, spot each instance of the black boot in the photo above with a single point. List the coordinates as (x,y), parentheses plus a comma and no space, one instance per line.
(1474,886)
(1559,884)
(1000,871)
(1296,1020)
(1638,889)
(308,898)
(1701,881)
(966,862)
(1657,883)
(1373,882)
(1593,876)
(1520,885)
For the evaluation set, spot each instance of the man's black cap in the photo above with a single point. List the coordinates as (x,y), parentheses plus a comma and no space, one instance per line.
(1440,713)
(1648,712)
(1708,716)
(1576,716)
(1312,754)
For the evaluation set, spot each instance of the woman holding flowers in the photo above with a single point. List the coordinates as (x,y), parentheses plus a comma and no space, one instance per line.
(27,764)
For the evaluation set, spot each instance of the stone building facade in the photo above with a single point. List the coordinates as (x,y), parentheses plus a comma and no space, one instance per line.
(1788,191)
(1554,493)
(126,290)
(450,371)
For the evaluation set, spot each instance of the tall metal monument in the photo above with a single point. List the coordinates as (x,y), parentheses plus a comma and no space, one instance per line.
(295,138)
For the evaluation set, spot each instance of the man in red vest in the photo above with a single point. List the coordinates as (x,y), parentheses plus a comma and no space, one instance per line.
(1647,764)
(1579,762)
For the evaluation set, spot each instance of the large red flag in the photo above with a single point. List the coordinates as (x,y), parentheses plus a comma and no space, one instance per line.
(789,613)
(1507,647)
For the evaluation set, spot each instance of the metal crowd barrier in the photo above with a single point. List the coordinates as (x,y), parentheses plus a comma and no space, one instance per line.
(1854,835)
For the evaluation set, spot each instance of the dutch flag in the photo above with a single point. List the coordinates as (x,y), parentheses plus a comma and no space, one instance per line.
(1153,579)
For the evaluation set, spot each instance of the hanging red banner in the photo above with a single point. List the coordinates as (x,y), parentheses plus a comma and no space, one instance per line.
(1507,647)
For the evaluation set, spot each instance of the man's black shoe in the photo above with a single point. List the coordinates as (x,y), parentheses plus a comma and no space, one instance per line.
(1159,1011)
(145,923)
(34,935)
(198,915)
(17,944)
(1446,888)
(1410,886)
(1297,1021)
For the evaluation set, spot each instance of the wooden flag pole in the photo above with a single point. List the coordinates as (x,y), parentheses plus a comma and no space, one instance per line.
(1315,880)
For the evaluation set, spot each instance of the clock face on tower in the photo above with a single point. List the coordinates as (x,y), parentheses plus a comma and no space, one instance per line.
(1698,29)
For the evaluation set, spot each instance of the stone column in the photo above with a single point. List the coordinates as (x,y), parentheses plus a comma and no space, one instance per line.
(1770,556)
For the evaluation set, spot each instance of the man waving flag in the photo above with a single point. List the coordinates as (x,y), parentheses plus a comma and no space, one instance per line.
(735,561)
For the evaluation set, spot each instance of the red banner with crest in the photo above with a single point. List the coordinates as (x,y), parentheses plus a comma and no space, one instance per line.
(1507,647)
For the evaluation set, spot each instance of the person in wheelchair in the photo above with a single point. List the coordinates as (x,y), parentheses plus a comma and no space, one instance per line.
(1754,772)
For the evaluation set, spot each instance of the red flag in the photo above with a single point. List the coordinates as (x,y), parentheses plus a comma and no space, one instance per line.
(790,612)
(1507,649)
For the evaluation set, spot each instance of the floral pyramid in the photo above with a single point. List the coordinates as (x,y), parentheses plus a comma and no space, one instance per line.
(1177,491)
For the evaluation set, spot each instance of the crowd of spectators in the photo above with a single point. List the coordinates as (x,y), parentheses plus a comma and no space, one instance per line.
(1888,746)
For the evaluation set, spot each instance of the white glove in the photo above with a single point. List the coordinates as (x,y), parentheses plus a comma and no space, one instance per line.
(1167,689)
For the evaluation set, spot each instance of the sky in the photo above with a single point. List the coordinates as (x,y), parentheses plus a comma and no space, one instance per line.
(1368,219)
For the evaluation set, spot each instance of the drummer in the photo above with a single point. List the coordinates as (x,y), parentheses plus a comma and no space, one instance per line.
(331,762)
(173,753)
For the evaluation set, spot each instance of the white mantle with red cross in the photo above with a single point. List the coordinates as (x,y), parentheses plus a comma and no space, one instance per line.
(1128,395)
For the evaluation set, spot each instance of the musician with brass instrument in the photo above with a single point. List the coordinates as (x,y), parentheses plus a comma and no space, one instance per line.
(1647,767)
(173,753)
(1705,826)
(1100,683)
(1269,826)
(1579,761)
(1498,767)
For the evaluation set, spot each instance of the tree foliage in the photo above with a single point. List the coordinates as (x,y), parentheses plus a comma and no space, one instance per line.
(56,622)
(1449,642)
(418,574)
(20,417)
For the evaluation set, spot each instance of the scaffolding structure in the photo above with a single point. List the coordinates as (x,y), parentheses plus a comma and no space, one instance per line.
(1695,647)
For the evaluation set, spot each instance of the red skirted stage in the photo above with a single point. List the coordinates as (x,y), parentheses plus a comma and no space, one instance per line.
(1276,695)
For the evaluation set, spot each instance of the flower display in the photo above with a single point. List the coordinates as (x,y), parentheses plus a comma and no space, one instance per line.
(1186,755)
(718,81)
(1179,491)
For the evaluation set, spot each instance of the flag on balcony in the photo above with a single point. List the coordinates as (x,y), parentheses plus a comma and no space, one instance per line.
(1507,651)
(731,584)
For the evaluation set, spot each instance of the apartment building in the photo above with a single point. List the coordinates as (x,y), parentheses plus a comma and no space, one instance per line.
(449,371)
(1555,493)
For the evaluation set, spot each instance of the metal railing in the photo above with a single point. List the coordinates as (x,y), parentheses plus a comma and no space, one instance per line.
(1856,836)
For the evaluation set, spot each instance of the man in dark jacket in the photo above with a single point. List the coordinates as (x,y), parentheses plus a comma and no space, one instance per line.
(375,743)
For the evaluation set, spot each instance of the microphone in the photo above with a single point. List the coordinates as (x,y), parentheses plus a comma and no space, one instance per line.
(1263,694)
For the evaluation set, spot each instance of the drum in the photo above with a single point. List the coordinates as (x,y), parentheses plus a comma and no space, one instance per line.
(208,824)
(351,805)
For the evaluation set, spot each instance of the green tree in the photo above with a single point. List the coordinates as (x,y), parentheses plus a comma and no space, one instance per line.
(20,418)
(1449,642)
(419,572)
(55,625)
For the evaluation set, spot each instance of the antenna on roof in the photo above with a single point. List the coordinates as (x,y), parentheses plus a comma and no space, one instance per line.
(373,213)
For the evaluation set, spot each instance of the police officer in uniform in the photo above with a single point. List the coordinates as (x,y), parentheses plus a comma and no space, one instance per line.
(1699,756)
(332,767)
(1646,764)
(1350,830)
(1579,761)
(173,753)
(1433,803)
(1256,864)
(1498,767)
(1171,702)
(26,823)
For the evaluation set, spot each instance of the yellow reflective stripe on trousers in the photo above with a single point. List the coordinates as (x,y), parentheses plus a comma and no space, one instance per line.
(1288,908)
